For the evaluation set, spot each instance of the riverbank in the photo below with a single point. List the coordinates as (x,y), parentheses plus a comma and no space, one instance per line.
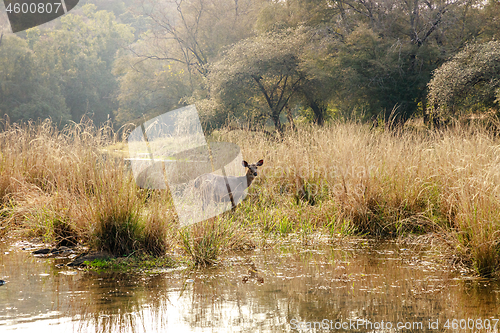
(340,180)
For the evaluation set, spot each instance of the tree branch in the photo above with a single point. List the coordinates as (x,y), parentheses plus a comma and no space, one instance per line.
(263,90)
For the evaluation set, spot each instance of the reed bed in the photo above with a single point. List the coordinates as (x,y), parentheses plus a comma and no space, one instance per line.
(384,183)
(340,179)
(63,186)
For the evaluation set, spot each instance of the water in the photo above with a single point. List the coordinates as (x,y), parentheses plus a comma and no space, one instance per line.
(341,286)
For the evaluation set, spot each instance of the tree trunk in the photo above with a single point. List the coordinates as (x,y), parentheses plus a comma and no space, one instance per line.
(423,100)
(319,113)
(290,117)
(319,110)
(277,122)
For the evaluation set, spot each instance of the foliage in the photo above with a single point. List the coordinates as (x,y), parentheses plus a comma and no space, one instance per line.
(350,179)
(81,55)
(380,73)
(470,80)
(192,32)
(260,72)
(488,22)
(321,82)
(364,57)
(149,87)
(138,263)
(165,69)
(206,241)
(64,188)
(63,73)
(124,61)
(25,91)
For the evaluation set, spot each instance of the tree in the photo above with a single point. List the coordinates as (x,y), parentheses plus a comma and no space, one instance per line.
(167,67)
(79,57)
(488,21)
(264,69)
(25,92)
(390,49)
(192,32)
(471,79)
(149,87)
(321,81)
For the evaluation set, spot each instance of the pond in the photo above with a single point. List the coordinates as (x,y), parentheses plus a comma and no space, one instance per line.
(360,286)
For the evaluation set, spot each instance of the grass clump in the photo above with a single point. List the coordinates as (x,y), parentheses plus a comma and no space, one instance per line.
(206,241)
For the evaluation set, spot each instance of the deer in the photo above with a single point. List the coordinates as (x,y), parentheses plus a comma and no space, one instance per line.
(220,189)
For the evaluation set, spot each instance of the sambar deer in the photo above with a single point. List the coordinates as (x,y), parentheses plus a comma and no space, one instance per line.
(220,189)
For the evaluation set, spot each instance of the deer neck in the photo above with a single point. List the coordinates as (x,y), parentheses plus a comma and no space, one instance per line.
(250,177)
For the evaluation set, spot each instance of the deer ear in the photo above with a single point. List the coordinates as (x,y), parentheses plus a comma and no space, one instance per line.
(245,164)
(259,163)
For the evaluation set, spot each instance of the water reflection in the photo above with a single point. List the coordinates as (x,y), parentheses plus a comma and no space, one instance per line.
(374,282)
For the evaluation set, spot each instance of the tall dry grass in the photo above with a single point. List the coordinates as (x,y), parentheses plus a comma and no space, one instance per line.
(68,188)
(351,178)
(343,178)
(63,186)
